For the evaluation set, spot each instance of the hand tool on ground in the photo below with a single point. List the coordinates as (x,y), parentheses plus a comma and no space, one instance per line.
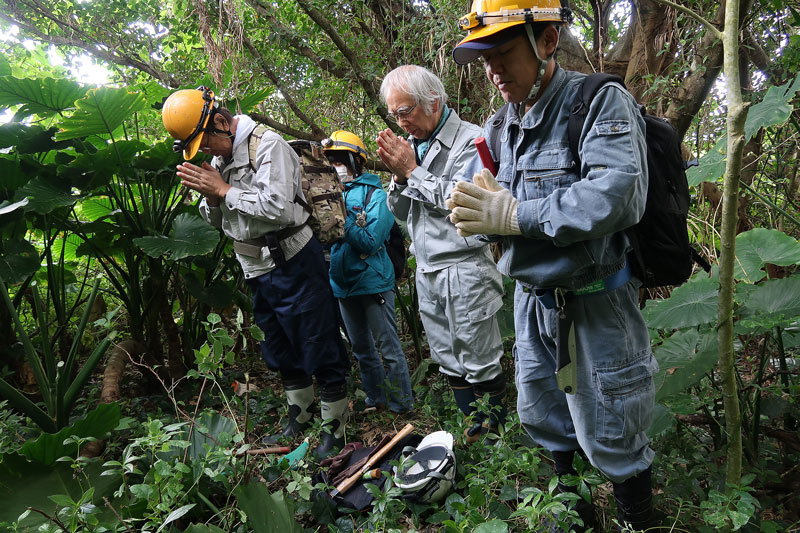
(269,451)
(298,453)
(348,483)
(375,473)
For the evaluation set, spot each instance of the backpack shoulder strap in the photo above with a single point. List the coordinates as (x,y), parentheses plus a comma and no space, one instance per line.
(368,197)
(253,141)
(497,121)
(580,107)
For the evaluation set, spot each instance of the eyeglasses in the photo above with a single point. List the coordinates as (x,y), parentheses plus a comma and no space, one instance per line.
(403,112)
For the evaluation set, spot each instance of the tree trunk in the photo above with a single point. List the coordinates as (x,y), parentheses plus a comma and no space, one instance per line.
(653,29)
(110,391)
(737,115)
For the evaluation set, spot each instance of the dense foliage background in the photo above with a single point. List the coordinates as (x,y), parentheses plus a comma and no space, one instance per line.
(124,317)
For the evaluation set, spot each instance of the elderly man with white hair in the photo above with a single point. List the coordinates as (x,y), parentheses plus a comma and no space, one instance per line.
(458,285)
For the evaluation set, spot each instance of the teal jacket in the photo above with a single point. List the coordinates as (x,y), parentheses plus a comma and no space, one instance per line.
(359,261)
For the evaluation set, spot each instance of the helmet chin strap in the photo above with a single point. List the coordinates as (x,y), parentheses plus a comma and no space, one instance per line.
(542,66)
(213,129)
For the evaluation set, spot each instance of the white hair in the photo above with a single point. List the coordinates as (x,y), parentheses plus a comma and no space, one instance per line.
(421,84)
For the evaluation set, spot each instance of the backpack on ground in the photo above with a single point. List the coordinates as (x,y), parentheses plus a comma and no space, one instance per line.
(395,244)
(322,193)
(662,254)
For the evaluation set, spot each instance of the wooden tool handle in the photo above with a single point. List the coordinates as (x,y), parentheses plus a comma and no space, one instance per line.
(348,483)
(267,451)
(486,156)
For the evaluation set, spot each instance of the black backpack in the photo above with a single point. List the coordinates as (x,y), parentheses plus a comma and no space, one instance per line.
(661,254)
(395,244)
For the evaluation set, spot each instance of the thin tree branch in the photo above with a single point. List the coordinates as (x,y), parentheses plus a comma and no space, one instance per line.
(283,128)
(368,85)
(688,12)
(296,42)
(316,130)
(99,49)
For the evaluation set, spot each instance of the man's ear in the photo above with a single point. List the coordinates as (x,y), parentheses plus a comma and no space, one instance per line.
(220,123)
(549,40)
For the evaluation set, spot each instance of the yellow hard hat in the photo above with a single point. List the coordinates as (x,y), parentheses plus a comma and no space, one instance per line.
(344,140)
(185,115)
(489,17)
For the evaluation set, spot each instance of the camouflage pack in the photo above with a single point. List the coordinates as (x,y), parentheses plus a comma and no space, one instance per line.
(323,193)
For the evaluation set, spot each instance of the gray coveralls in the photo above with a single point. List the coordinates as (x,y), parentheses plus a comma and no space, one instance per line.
(459,287)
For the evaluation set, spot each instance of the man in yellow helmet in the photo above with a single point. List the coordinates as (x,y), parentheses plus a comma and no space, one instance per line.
(256,202)
(584,368)
(362,277)
(458,285)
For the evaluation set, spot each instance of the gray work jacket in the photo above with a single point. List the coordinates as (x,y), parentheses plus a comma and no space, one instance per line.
(434,241)
(259,201)
(572,218)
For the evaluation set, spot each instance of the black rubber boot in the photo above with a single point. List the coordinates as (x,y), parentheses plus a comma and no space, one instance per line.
(496,389)
(334,416)
(463,393)
(563,467)
(635,502)
(300,397)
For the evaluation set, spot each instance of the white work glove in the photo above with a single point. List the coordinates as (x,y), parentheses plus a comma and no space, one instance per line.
(483,207)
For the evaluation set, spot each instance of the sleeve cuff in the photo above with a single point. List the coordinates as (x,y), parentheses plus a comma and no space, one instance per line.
(417,177)
(232,197)
(394,186)
(528,218)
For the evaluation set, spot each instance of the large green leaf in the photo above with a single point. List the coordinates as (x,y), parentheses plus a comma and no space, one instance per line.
(712,165)
(13,177)
(267,513)
(662,420)
(96,208)
(154,93)
(50,446)
(219,294)
(691,304)
(70,245)
(40,96)
(247,103)
(27,139)
(101,111)
(90,171)
(211,430)
(5,66)
(18,260)
(775,108)
(778,298)
(26,484)
(159,156)
(683,359)
(759,246)
(45,195)
(190,235)
(492,526)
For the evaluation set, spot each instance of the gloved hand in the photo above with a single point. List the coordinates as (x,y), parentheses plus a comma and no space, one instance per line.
(483,207)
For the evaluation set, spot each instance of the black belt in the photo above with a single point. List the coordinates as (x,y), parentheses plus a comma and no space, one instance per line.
(272,241)
(282,234)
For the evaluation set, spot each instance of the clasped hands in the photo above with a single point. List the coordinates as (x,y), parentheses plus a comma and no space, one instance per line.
(206,180)
(483,207)
(397,154)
